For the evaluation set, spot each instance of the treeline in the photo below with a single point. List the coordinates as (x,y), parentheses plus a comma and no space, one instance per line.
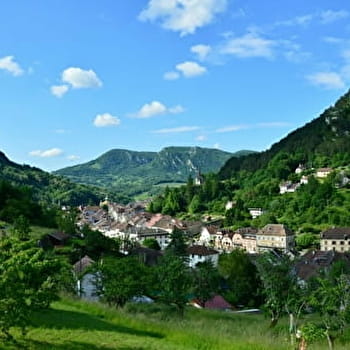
(50,189)
(18,201)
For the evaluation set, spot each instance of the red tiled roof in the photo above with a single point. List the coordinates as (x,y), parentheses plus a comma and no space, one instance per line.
(217,302)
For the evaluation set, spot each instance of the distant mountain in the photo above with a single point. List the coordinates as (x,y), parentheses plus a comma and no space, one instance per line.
(137,172)
(325,141)
(51,189)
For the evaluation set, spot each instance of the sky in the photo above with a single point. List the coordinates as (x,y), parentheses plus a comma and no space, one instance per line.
(78,78)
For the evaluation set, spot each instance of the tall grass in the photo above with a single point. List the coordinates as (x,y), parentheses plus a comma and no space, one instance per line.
(77,325)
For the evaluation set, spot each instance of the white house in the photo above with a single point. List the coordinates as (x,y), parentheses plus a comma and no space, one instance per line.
(200,253)
(208,235)
(255,212)
(323,172)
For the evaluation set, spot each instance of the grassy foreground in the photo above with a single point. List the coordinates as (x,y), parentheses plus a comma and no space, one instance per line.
(76,325)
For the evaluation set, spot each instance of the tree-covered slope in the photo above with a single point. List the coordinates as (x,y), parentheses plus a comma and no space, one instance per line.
(325,141)
(47,188)
(135,172)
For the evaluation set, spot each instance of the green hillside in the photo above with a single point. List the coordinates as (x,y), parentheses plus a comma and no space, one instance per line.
(77,325)
(50,189)
(136,172)
(253,180)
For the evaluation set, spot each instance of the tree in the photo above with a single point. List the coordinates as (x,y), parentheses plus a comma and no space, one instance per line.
(30,279)
(173,281)
(120,279)
(66,221)
(206,281)
(151,243)
(241,276)
(331,299)
(281,290)
(177,245)
(21,228)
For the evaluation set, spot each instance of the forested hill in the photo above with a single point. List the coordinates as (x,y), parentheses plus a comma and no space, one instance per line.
(325,141)
(47,188)
(136,172)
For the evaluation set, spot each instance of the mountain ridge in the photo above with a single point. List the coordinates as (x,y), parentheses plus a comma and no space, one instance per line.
(121,168)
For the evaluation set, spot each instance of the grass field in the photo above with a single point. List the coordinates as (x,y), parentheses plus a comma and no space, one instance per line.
(77,325)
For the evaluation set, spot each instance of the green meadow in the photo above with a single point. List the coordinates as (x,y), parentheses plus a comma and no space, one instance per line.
(77,325)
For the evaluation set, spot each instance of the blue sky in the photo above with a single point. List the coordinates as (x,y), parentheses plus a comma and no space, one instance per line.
(78,78)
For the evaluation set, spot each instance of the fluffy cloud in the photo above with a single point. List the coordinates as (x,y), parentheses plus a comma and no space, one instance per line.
(106,119)
(8,64)
(59,90)
(183,16)
(154,108)
(176,130)
(249,45)
(53,152)
(202,51)
(190,69)
(79,78)
(328,80)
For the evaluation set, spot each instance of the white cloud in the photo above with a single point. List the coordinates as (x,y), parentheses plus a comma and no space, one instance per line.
(73,157)
(216,146)
(328,80)
(330,16)
(177,130)
(154,108)
(171,75)
(79,78)
(183,16)
(176,109)
(273,125)
(249,45)
(8,64)
(232,128)
(190,69)
(53,152)
(59,90)
(106,119)
(201,138)
(202,51)
(302,20)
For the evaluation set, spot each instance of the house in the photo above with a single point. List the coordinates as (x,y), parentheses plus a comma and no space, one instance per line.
(313,262)
(275,236)
(336,239)
(161,236)
(199,179)
(57,238)
(147,256)
(217,302)
(255,212)
(300,168)
(223,240)
(200,253)
(208,235)
(323,172)
(229,205)
(304,180)
(245,238)
(85,280)
(288,187)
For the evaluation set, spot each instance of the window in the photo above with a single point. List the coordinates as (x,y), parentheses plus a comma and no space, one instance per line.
(341,242)
(334,242)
